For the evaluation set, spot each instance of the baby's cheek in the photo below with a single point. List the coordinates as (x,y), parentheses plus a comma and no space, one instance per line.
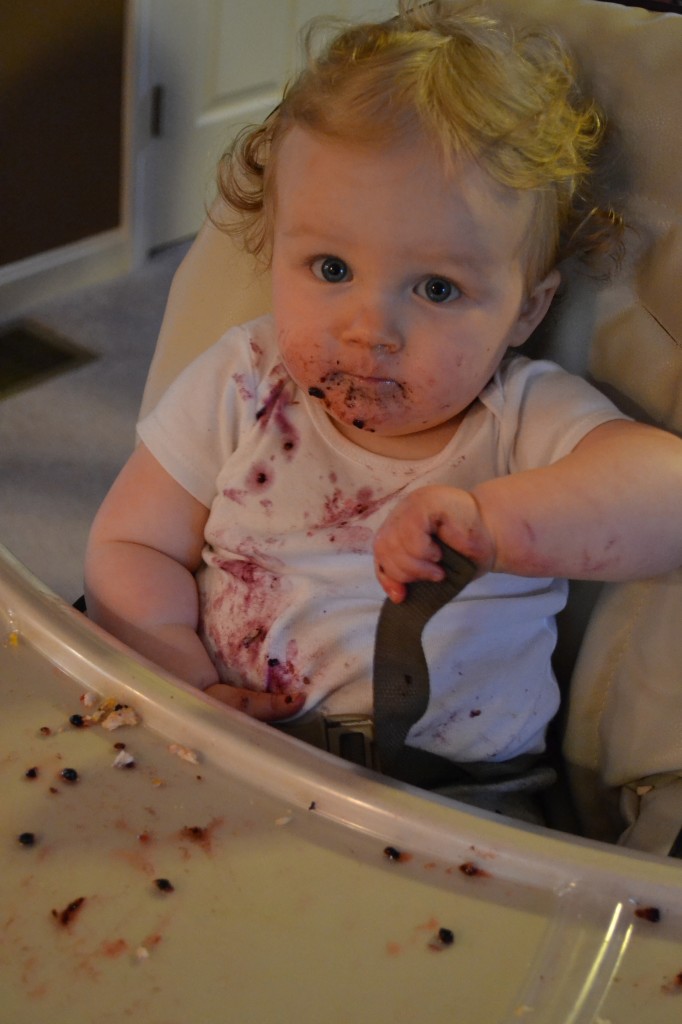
(432,399)
(301,358)
(443,392)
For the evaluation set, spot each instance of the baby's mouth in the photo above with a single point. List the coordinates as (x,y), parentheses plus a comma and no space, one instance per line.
(365,402)
(354,388)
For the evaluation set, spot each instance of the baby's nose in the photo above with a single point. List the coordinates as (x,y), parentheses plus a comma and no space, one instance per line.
(373,326)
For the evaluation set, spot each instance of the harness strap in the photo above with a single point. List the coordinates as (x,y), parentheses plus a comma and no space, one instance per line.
(401,675)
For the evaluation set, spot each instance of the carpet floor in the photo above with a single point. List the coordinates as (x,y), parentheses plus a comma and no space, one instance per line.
(63,440)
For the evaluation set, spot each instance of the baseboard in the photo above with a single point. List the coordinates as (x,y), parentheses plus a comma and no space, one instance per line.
(49,275)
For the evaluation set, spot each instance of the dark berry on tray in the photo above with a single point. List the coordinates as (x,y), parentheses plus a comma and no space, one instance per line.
(652,914)
(65,916)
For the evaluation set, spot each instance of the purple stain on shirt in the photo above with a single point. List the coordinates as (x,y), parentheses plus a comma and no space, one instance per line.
(339,508)
(234,494)
(281,674)
(265,412)
(247,572)
(249,602)
(274,412)
(243,386)
(260,477)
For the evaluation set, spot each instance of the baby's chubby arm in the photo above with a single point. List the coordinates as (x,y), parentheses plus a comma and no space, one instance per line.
(610,510)
(144,547)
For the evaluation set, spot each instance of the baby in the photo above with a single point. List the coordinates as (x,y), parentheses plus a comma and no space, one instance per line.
(413,195)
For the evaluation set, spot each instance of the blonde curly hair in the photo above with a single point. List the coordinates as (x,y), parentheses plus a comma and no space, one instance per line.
(471,85)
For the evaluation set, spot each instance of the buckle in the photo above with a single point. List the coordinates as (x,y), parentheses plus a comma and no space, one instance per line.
(351,737)
(348,736)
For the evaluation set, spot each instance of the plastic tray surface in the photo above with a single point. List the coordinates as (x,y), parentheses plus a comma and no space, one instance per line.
(202,867)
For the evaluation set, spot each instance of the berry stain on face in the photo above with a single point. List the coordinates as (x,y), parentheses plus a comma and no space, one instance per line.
(363,402)
(354,391)
(397,293)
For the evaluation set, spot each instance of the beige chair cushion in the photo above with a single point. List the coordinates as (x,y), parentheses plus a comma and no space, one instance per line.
(624,724)
(625,707)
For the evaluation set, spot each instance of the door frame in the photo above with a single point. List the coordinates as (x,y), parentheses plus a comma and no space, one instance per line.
(48,275)
(101,257)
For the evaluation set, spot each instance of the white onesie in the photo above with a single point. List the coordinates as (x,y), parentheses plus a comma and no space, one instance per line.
(289,599)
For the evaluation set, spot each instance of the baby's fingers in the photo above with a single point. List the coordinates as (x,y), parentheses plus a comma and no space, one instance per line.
(266,707)
(395,586)
(402,553)
(394,572)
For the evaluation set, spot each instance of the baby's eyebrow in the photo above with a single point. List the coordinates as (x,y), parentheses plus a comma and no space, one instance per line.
(301,229)
(449,262)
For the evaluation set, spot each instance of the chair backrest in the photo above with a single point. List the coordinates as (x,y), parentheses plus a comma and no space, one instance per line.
(623,737)
(624,333)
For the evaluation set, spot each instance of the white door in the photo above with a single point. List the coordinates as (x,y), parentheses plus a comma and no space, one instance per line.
(204,69)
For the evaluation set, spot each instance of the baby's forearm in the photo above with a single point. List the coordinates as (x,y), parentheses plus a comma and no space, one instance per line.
(149,601)
(608,511)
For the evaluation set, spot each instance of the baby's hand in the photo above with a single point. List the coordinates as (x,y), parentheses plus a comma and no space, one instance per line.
(404,548)
(266,707)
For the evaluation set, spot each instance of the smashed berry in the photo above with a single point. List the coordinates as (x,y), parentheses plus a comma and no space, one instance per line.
(472,870)
(193,832)
(65,916)
(443,938)
(652,914)
(392,853)
(316,392)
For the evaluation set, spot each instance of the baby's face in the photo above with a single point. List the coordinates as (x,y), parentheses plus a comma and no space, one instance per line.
(396,289)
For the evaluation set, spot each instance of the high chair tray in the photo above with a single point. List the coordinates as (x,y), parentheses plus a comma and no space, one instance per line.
(198,866)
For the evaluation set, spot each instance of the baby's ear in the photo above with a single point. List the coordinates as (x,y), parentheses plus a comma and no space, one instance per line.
(534,307)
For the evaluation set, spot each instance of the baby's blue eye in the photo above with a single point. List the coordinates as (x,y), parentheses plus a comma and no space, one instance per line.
(331,268)
(437,289)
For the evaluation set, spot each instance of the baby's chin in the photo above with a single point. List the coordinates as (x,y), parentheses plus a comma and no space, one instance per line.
(355,419)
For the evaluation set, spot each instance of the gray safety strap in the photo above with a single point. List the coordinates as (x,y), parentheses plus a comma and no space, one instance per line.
(401,675)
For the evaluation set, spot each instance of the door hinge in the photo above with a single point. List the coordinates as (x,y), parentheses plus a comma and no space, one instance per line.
(156,112)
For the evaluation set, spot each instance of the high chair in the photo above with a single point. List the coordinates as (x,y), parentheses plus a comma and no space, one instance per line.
(620,645)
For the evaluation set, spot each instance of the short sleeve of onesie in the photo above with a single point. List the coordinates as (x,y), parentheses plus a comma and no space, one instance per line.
(542,412)
(198,421)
